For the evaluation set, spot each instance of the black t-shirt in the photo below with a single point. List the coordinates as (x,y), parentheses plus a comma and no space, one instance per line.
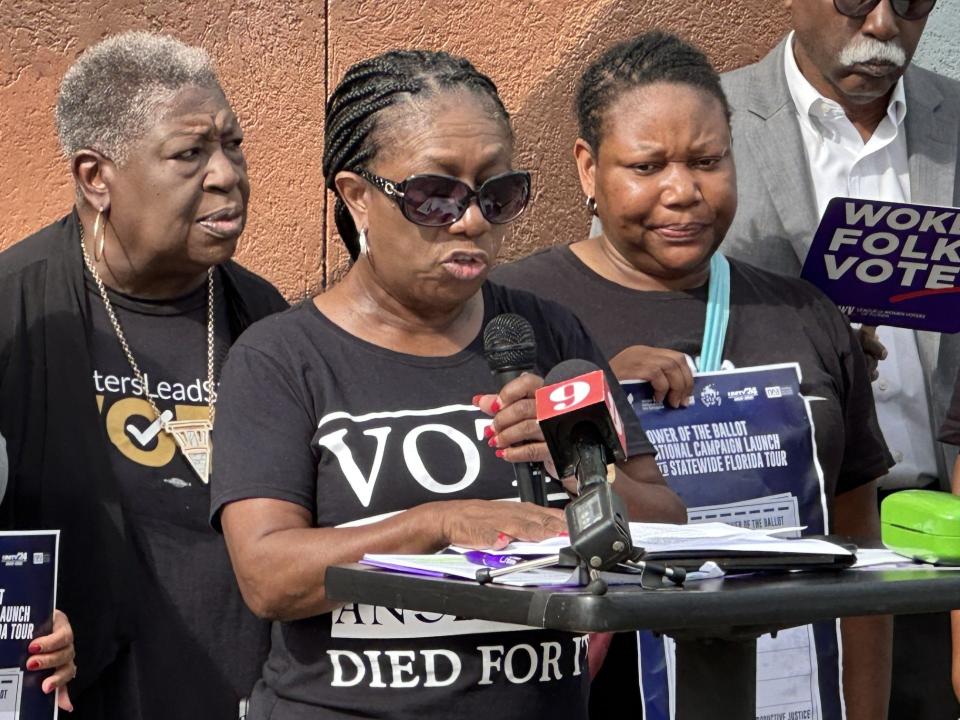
(196,648)
(315,416)
(950,430)
(773,319)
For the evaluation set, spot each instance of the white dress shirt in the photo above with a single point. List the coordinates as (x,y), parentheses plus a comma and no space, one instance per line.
(842,164)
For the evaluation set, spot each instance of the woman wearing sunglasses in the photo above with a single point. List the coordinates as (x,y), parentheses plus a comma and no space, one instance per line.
(366,420)
(655,163)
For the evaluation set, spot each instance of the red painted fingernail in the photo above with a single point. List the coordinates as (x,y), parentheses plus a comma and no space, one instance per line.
(34,648)
(33,664)
(492,442)
(563,533)
(495,408)
(499,453)
(489,432)
(501,537)
(476,399)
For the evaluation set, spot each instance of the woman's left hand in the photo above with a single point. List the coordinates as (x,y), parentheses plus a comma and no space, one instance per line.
(515,432)
(518,438)
(55,651)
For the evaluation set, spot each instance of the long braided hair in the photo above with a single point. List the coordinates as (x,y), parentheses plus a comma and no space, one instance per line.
(646,59)
(369,87)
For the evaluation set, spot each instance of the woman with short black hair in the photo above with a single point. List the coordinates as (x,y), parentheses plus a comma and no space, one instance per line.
(655,161)
(367,421)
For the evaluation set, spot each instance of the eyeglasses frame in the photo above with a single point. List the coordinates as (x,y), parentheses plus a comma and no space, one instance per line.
(395,191)
(836,7)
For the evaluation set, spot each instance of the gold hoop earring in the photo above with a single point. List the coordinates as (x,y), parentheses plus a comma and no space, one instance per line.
(99,236)
(592,205)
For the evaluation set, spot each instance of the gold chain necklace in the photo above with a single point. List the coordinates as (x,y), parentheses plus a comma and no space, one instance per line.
(191,436)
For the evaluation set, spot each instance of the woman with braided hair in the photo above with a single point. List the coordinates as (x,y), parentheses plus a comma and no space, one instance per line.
(367,421)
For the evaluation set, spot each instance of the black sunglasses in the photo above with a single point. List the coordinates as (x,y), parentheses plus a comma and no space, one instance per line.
(907,9)
(438,200)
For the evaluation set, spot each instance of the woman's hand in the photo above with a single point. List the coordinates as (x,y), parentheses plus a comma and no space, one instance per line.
(666,370)
(55,651)
(281,559)
(515,432)
(483,524)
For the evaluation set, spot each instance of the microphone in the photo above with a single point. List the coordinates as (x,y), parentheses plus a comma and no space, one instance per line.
(575,409)
(510,347)
(585,435)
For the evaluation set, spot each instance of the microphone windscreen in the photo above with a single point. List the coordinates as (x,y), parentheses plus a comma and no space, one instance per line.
(569,369)
(575,395)
(509,343)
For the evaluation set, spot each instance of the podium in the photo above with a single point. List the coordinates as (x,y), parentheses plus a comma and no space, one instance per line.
(715,623)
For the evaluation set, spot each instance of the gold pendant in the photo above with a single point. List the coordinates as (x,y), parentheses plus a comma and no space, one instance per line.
(193,439)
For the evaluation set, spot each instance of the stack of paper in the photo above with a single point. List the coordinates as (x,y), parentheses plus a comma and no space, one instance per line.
(663,539)
(659,540)
(457,566)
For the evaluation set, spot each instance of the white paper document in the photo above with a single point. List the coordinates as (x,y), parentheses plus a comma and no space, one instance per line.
(688,540)
(701,537)
(883,559)
(787,677)
(455,565)
(11,680)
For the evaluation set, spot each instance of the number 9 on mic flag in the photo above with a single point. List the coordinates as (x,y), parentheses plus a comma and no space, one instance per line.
(577,392)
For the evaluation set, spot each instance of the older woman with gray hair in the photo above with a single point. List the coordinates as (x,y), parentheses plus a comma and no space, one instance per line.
(116,320)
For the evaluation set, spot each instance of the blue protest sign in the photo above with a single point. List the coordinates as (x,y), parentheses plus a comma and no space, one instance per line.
(888,263)
(28,571)
(743,453)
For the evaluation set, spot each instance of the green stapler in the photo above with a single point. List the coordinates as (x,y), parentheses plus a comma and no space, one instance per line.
(923,525)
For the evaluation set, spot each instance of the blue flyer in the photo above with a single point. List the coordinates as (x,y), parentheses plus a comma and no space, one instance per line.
(28,580)
(743,452)
(887,263)
(746,434)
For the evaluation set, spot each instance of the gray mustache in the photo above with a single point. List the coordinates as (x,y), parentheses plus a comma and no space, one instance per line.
(869,50)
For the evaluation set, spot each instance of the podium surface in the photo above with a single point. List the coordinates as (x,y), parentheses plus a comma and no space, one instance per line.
(715,622)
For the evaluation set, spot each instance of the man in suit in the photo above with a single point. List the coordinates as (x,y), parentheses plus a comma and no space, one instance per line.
(837,109)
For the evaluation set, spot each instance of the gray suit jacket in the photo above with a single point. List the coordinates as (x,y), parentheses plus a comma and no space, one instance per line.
(777,213)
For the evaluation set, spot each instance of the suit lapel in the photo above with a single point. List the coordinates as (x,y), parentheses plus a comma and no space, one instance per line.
(932,131)
(777,146)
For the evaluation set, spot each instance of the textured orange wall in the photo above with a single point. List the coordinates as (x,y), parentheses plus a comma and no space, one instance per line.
(273,62)
(271,59)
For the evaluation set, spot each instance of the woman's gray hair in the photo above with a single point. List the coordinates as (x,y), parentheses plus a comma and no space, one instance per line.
(110,96)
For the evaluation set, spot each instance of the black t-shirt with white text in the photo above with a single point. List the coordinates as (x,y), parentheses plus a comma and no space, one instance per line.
(352,431)
(196,648)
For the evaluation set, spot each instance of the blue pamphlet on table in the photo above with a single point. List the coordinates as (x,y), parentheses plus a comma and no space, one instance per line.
(889,263)
(28,580)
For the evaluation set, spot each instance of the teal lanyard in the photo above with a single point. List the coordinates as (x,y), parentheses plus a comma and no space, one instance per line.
(718,315)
